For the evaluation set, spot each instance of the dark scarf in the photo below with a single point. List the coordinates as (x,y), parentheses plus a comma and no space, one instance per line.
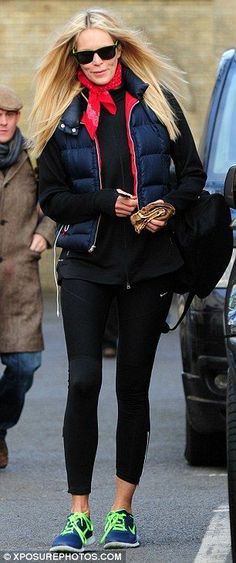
(9,152)
(99,95)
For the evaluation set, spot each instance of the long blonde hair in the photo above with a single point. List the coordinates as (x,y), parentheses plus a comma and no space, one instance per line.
(57,84)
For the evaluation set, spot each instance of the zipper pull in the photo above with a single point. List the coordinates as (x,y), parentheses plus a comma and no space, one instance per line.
(128,286)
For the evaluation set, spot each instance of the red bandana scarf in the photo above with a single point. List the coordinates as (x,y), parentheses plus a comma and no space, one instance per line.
(99,95)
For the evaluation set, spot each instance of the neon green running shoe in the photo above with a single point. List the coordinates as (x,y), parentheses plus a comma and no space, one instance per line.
(120,530)
(77,533)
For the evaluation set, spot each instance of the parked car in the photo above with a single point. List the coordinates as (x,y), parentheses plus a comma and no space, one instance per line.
(202,340)
(230,339)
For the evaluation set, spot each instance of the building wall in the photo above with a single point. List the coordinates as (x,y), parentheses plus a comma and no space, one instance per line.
(192,34)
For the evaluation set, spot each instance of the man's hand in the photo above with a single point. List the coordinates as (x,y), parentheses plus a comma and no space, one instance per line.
(125,205)
(39,243)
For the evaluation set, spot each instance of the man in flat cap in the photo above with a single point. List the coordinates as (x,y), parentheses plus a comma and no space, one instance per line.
(24,234)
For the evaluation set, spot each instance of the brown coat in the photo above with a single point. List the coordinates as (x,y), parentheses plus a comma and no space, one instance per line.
(20,290)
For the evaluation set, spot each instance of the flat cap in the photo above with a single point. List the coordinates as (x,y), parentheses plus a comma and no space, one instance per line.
(9,100)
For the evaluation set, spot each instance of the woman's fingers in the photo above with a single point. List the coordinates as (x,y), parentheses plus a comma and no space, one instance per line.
(155,225)
(125,206)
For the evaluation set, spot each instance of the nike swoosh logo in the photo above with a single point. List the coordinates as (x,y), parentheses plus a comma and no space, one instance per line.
(162,294)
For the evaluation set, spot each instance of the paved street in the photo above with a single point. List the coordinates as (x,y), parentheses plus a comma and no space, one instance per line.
(177,507)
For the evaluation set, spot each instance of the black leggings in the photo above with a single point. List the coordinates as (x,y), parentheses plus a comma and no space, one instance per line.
(141,311)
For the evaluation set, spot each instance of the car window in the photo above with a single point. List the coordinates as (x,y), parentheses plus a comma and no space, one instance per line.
(223,147)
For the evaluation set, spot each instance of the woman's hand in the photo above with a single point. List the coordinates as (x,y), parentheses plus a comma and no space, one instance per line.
(125,205)
(156,225)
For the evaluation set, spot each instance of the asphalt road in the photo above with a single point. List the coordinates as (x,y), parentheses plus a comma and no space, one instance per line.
(181,512)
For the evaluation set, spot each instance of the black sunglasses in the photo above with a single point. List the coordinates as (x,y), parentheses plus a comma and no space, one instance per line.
(105,53)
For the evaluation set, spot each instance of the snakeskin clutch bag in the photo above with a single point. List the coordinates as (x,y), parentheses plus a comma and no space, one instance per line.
(153,210)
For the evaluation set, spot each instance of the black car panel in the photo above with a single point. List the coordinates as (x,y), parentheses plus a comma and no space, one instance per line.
(202,339)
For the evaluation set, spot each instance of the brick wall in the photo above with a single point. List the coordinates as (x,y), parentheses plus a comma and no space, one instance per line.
(192,33)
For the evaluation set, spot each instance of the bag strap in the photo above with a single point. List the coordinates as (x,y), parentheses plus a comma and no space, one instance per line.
(166,328)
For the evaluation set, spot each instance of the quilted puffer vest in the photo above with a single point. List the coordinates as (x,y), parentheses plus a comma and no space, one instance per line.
(149,145)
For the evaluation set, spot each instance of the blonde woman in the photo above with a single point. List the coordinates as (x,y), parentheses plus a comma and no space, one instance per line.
(106,127)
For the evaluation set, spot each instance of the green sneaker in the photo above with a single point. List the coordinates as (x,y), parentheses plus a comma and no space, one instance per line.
(120,530)
(77,533)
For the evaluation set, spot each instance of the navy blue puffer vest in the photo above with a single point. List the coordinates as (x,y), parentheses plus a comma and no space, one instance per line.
(150,147)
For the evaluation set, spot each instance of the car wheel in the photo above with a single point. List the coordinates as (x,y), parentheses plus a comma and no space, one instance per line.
(231,455)
(204,449)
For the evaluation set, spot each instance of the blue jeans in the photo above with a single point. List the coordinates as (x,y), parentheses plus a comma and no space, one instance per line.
(14,383)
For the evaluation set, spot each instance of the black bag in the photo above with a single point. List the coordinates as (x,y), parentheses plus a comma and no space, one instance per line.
(205,240)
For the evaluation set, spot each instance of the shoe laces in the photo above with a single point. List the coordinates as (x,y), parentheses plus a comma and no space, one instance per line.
(115,521)
(79,522)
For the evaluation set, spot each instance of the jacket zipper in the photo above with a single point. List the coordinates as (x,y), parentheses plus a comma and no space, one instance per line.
(128,285)
(133,156)
(92,248)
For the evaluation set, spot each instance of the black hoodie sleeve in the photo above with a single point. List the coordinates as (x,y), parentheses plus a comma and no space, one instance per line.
(190,176)
(56,197)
